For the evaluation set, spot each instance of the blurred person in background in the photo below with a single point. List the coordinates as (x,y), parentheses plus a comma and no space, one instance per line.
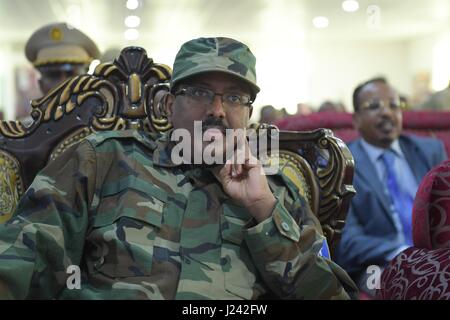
(59,51)
(269,114)
(303,109)
(438,101)
(329,106)
(388,169)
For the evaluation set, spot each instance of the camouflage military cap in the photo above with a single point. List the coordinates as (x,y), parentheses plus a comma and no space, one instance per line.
(60,43)
(215,54)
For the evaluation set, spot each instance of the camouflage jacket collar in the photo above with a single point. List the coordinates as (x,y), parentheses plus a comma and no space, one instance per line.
(162,158)
(163,150)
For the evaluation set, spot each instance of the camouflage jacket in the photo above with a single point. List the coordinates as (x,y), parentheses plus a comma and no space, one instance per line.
(140,227)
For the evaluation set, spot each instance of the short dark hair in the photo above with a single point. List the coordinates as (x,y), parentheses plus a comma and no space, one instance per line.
(358,89)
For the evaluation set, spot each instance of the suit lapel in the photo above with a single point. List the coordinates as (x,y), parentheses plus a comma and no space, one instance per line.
(369,177)
(414,157)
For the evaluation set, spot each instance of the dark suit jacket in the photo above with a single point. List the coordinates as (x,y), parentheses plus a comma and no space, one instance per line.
(370,235)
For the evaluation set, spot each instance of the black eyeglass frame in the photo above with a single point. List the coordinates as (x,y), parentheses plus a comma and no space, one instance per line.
(187,91)
(377,105)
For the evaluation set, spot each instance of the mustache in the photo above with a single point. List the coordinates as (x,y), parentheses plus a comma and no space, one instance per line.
(214,122)
(382,122)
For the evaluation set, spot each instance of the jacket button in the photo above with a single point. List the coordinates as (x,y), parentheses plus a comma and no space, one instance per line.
(99,262)
(285,226)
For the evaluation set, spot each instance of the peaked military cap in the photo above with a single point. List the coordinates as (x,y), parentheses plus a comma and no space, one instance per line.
(60,43)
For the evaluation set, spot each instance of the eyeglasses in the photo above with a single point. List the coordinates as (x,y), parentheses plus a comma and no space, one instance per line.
(206,96)
(377,105)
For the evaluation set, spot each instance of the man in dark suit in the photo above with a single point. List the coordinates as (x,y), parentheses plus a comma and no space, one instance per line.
(388,168)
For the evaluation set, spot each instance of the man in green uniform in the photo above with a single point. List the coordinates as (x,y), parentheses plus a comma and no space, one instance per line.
(59,51)
(134,224)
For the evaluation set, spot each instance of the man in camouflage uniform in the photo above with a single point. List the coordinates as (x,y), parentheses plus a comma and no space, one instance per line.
(140,226)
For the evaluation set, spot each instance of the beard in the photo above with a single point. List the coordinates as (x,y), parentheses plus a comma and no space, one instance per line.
(214,142)
(209,143)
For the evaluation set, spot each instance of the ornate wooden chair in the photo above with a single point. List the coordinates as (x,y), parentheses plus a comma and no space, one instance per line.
(322,168)
(117,96)
(126,94)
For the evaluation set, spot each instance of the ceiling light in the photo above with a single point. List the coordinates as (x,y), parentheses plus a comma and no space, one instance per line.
(131,34)
(350,5)
(132,4)
(320,22)
(132,21)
